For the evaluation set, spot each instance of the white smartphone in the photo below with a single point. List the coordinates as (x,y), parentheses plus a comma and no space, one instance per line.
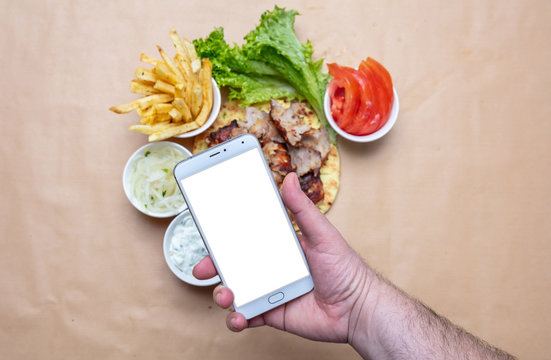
(237,208)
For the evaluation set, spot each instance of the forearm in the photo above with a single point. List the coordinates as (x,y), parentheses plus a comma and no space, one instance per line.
(392,325)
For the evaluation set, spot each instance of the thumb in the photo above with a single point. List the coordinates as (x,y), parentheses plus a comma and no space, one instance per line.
(313,224)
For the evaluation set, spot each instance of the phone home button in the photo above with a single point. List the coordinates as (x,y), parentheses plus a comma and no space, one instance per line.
(276,297)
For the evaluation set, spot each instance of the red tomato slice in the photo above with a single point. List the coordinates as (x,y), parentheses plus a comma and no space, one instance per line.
(386,82)
(351,94)
(384,100)
(379,98)
(384,75)
(336,93)
(366,107)
(361,99)
(376,81)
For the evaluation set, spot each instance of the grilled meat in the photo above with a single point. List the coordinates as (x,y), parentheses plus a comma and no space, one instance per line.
(305,160)
(252,115)
(224,133)
(260,124)
(278,159)
(312,186)
(289,123)
(288,144)
(318,140)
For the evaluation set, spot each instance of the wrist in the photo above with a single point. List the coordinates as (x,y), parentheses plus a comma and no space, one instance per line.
(361,329)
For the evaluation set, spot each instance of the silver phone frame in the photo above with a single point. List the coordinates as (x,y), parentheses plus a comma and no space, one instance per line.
(221,153)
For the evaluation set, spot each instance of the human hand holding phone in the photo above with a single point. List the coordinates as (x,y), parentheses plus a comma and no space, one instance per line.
(351,303)
(339,277)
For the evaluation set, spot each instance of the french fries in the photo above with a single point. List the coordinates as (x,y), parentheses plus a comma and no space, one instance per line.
(177,92)
(145,75)
(164,87)
(181,105)
(142,88)
(173,131)
(206,74)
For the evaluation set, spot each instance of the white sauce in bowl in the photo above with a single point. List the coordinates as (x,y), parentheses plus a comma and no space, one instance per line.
(186,246)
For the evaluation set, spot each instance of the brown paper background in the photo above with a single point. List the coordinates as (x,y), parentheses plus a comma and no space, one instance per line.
(453,205)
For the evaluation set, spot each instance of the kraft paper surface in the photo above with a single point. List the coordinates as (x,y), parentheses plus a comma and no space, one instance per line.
(453,205)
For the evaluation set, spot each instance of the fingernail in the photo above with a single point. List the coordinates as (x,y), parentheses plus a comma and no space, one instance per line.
(233,323)
(295,181)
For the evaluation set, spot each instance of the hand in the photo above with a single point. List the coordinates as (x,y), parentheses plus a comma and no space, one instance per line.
(340,279)
(350,302)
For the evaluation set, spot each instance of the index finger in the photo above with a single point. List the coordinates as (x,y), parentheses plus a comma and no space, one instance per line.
(204,269)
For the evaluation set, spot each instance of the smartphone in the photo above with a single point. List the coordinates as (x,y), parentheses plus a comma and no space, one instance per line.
(245,227)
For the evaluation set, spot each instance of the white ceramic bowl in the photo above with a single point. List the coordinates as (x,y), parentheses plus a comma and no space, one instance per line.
(129,167)
(190,279)
(365,138)
(216,102)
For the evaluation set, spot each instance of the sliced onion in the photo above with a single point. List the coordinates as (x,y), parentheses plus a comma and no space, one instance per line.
(152,177)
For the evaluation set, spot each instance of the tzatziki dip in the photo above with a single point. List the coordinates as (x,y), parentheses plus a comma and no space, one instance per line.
(186,246)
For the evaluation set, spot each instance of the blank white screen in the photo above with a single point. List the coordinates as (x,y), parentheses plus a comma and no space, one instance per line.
(245,226)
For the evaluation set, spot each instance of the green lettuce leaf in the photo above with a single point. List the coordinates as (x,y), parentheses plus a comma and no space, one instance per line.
(272,63)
